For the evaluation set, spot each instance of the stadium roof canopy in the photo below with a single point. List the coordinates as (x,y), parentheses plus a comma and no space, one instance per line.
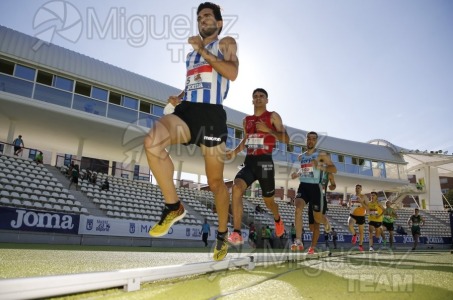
(417,159)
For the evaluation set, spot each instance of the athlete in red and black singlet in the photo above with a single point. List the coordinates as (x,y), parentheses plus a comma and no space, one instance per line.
(258,164)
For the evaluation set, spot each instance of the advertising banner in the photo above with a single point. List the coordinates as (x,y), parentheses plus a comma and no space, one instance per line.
(34,220)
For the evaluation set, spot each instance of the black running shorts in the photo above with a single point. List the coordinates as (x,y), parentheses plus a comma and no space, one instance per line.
(261,168)
(206,122)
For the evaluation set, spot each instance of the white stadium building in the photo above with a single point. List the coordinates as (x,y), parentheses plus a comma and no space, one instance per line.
(76,108)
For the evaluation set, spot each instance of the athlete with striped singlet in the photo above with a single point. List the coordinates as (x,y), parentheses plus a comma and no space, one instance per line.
(199,119)
(313,165)
(358,204)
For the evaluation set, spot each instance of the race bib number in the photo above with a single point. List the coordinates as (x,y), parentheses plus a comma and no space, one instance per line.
(255,141)
(306,170)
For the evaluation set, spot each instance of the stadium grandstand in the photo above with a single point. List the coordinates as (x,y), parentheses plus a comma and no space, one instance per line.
(78,109)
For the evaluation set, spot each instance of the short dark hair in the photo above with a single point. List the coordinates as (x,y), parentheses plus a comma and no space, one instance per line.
(358,185)
(312,132)
(215,9)
(261,90)
(373,193)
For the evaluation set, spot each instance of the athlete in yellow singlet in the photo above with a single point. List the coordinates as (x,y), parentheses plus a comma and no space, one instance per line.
(375,217)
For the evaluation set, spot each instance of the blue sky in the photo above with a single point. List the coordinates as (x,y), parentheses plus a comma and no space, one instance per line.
(351,69)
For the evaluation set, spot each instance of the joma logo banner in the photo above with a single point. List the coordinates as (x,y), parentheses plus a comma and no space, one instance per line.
(31,220)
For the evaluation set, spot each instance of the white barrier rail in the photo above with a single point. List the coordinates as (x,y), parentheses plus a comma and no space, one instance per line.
(129,279)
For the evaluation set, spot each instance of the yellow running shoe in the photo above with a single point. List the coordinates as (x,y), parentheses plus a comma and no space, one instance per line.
(167,219)
(220,249)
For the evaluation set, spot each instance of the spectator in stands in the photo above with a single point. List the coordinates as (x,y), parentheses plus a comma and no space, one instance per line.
(326,239)
(258,209)
(70,168)
(252,235)
(415,221)
(334,238)
(18,145)
(94,177)
(262,131)
(39,157)
(86,175)
(293,233)
(105,186)
(266,235)
(74,177)
(205,231)
(199,119)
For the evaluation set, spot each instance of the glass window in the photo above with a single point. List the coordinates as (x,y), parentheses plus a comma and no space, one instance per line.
(130,102)
(89,105)
(229,143)
(99,94)
(6,67)
(402,170)
(158,110)
(297,149)
(231,131)
(238,134)
(63,83)
(25,72)
(15,85)
(340,166)
(290,148)
(391,170)
(355,161)
(146,120)
(122,114)
(115,98)
(145,107)
(348,159)
(54,96)
(44,78)
(82,89)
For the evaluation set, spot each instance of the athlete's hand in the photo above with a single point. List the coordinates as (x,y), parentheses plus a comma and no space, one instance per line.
(175,100)
(332,187)
(230,154)
(262,126)
(196,42)
(294,175)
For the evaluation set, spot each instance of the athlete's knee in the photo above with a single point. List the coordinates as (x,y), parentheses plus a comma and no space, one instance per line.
(319,217)
(154,144)
(216,185)
(239,187)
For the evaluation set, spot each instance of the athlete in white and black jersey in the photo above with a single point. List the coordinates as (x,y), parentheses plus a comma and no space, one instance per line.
(262,130)
(199,119)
